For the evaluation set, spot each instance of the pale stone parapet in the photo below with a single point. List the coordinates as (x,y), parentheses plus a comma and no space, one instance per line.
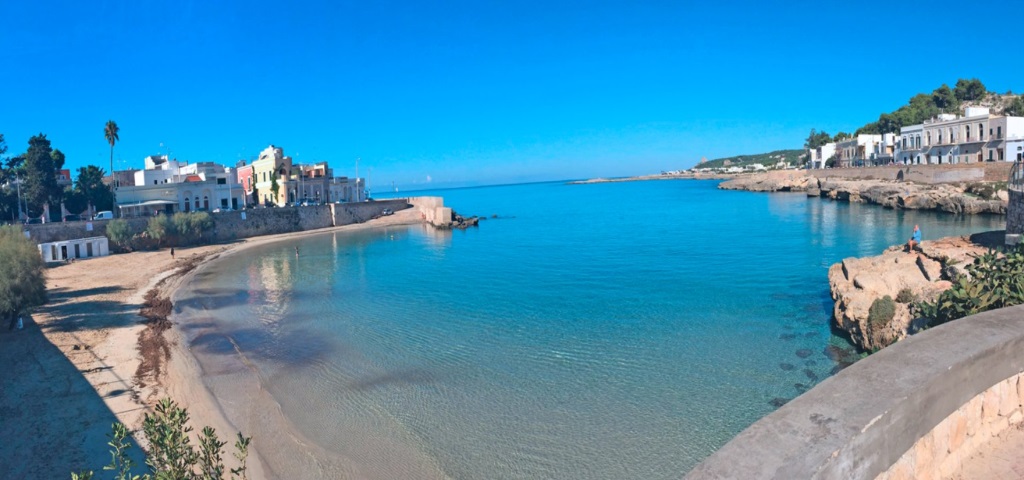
(912,410)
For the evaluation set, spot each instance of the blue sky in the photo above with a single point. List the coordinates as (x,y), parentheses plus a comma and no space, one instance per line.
(475,92)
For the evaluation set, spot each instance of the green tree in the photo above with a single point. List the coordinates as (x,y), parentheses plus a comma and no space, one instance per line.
(160,228)
(90,184)
(118,232)
(842,136)
(40,183)
(889,123)
(58,159)
(817,139)
(1016,107)
(23,282)
(200,223)
(274,186)
(969,90)
(944,99)
(110,132)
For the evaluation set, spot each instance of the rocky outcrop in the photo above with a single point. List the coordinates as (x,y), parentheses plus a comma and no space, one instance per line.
(773,181)
(953,198)
(856,283)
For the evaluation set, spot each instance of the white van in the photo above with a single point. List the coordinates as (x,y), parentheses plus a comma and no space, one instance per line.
(104,215)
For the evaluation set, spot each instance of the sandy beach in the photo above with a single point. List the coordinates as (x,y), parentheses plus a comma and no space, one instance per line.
(77,367)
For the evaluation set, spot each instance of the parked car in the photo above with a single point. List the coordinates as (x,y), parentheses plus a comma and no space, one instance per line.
(72,218)
(104,215)
(387,211)
(222,209)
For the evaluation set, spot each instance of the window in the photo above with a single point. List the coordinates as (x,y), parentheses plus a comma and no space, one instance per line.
(999,133)
(981,131)
(206,202)
(224,203)
(968,127)
(154,182)
(222,181)
(188,205)
(1000,154)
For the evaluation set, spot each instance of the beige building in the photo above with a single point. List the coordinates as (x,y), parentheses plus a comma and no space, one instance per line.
(272,166)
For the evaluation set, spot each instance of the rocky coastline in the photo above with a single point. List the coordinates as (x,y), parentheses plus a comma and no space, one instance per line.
(959,198)
(905,277)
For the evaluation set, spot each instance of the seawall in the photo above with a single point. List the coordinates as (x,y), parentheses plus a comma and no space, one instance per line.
(912,410)
(237,224)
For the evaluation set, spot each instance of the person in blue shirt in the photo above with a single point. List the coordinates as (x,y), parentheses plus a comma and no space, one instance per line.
(915,239)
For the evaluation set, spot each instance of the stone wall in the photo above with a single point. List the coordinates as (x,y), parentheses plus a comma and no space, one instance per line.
(940,452)
(908,400)
(63,231)
(928,174)
(1015,217)
(231,225)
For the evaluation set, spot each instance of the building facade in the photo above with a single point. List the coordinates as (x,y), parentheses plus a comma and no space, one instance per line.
(977,136)
(857,151)
(167,186)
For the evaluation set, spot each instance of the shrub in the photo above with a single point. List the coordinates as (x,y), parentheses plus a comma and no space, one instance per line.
(994,281)
(118,232)
(160,228)
(882,311)
(188,228)
(200,223)
(171,454)
(23,281)
(906,295)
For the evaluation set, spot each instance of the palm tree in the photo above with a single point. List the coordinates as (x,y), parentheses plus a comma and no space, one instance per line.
(110,132)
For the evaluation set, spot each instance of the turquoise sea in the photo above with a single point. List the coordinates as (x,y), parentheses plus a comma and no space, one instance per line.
(601,331)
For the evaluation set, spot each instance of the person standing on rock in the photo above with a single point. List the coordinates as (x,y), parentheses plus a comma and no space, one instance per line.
(915,239)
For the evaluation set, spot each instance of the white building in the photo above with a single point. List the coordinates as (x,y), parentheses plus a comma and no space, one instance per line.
(857,151)
(976,136)
(74,249)
(818,156)
(167,186)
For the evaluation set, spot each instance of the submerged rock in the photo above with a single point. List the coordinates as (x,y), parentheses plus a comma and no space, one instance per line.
(787,366)
(778,402)
(804,352)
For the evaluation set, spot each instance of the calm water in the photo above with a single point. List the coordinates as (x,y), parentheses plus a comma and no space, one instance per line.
(619,330)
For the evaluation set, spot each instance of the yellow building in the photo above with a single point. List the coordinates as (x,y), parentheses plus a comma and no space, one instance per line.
(272,165)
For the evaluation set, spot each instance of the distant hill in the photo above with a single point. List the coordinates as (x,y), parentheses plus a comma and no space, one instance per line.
(791,157)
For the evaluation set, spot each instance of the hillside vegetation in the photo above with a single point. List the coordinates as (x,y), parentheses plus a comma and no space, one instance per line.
(791,157)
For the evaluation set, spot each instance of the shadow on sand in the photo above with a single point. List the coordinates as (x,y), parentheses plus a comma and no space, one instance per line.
(52,420)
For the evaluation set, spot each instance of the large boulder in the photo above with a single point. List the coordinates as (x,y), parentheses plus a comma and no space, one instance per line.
(856,284)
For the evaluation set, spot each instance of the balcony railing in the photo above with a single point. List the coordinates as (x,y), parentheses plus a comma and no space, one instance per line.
(1017,177)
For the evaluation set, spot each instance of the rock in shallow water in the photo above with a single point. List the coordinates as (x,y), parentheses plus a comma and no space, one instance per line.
(778,402)
(787,366)
(804,352)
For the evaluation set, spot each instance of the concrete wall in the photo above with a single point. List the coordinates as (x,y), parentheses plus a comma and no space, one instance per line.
(929,174)
(861,422)
(433,210)
(231,226)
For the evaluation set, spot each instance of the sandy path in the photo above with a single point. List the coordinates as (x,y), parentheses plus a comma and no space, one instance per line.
(70,372)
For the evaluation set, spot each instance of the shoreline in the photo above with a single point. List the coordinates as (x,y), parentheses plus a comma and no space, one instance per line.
(184,377)
(73,370)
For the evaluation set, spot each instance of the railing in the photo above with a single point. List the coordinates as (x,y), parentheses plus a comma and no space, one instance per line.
(1017,177)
